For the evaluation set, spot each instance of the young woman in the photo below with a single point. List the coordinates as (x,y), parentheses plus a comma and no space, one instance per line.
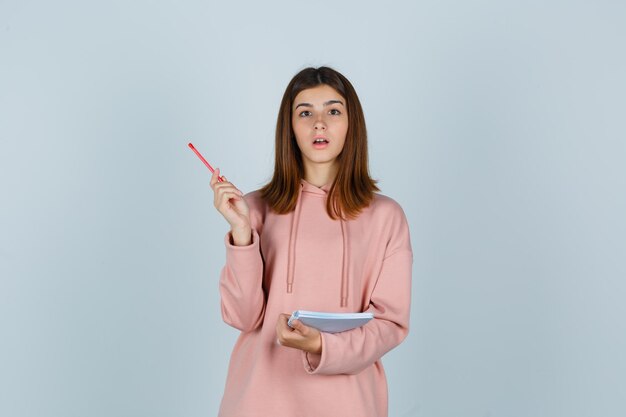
(319,238)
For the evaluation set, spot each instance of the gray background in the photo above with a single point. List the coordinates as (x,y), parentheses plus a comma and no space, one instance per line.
(497,125)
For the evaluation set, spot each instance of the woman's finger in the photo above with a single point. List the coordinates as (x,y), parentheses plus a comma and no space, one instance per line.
(220,189)
(226,187)
(216,185)
(219,192)
(223,201)
(301,328)
(214,177)
(282,320)
(280,329)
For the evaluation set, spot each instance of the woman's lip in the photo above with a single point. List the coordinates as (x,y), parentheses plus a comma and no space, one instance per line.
(321,144)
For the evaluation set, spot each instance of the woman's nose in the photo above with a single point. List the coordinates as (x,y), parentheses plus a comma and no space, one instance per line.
(319,124)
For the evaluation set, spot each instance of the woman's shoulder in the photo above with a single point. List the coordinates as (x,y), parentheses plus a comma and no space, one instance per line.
(385,205)
(253,196)
(388,219)
(255,201)
(258,209)
(384,213)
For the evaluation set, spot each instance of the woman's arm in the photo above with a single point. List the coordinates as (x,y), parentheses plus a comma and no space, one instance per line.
(241,279)
(241,285)
(352,351)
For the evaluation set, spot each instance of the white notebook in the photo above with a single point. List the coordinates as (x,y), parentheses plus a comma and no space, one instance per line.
(331,322)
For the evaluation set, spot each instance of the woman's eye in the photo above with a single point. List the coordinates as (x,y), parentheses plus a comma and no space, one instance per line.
(334,112)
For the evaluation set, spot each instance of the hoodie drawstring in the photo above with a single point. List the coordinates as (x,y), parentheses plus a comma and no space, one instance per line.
(291,264)
(291,260)
(345,262)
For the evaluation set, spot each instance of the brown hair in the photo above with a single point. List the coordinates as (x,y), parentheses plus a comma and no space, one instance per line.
(353,188)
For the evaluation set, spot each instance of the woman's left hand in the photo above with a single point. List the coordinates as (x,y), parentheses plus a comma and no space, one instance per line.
(300,336)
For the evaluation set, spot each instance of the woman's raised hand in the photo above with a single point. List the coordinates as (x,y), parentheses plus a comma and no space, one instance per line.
(229,201)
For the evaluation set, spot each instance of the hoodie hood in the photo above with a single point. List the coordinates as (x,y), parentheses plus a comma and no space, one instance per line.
(322,191)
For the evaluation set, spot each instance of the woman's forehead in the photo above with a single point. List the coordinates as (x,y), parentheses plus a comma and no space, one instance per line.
(318,95)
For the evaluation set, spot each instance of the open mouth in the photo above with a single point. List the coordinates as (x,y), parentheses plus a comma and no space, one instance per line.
(320,141)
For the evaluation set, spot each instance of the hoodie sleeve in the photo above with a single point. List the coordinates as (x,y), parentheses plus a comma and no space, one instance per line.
(241,282)
(241,291)
(352,351)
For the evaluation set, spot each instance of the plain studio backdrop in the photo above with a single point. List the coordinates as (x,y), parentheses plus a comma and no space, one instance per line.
(497,125)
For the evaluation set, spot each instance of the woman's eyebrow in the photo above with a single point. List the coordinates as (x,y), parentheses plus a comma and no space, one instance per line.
(325,104)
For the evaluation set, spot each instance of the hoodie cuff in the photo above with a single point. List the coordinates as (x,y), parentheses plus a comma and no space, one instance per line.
(312,361)
(228,241)
(243,259)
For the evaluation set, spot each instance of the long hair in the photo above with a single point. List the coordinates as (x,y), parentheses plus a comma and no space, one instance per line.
(353,188)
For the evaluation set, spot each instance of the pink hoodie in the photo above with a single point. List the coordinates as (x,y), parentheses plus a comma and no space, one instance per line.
(305,260)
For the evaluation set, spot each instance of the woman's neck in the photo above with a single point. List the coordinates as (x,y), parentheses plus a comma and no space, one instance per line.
(321,174)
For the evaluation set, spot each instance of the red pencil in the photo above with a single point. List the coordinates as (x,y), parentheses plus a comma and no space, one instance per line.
(220,178)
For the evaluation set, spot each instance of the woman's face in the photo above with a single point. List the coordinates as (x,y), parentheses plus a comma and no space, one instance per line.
(319,119)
